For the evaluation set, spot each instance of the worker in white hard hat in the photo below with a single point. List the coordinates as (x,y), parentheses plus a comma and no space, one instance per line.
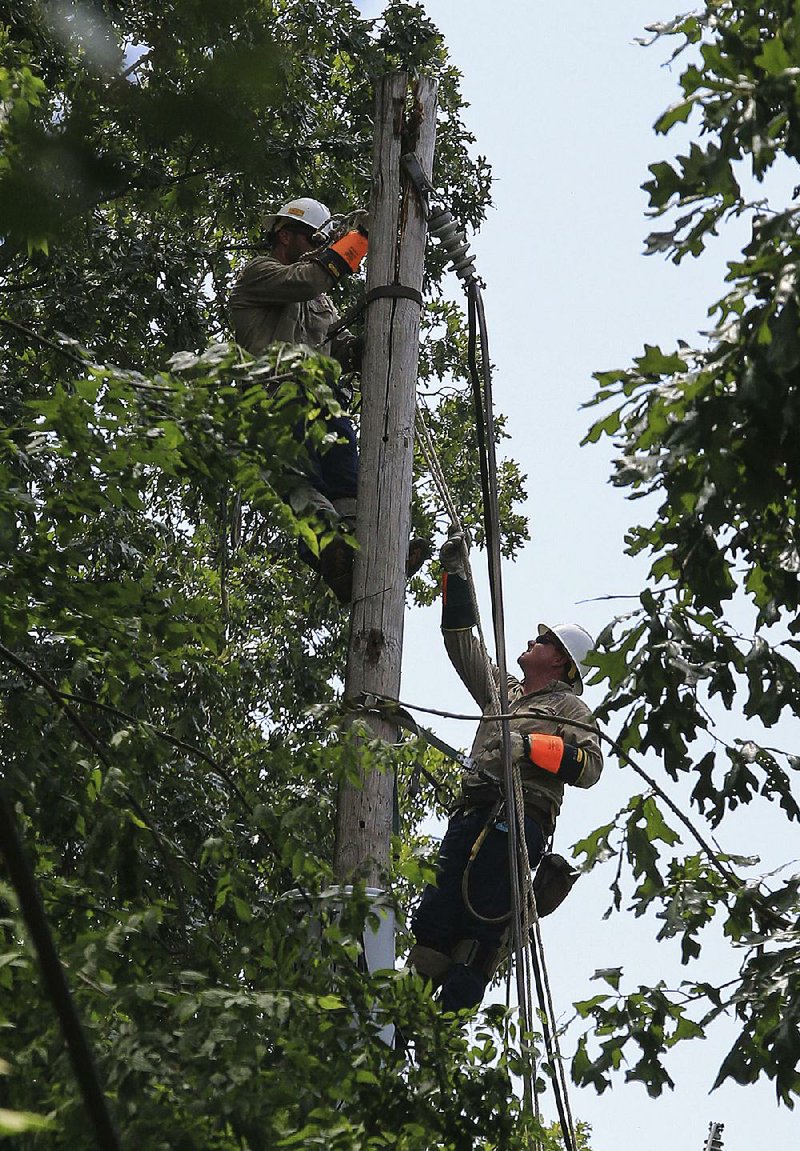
(460,922)
(281,296)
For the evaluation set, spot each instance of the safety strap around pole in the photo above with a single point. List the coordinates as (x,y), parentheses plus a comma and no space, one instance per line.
(387,291)
(394,292)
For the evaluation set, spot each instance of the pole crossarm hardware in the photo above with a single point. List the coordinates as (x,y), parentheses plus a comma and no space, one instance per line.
(393,713)
(392,710)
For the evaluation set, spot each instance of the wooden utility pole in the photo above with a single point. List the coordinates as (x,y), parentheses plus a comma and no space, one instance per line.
(403,122)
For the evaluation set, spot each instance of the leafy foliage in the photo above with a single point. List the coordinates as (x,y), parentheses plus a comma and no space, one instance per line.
(168,713)
(709,435)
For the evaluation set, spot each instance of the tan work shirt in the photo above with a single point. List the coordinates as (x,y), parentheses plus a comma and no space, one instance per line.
(543,791)
(286,303)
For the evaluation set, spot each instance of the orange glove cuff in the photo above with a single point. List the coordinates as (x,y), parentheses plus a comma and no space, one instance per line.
(546,751)
(352,248)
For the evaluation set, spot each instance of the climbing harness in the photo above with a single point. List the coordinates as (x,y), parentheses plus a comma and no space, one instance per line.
(554,877)
(492,820)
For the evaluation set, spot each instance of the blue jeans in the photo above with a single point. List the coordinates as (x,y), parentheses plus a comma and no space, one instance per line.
(334,472)
(442,918)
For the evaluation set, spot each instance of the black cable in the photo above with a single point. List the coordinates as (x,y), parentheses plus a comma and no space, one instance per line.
(555,1060)
(24,883)
(484,421)
(477,399)
(514,842)
(484,418)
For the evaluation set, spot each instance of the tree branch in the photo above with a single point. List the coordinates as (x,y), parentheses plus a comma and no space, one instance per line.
(215,766)
(43,340)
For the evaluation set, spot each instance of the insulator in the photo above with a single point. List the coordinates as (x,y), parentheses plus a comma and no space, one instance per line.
(442,225)
(438,218)
(456,254)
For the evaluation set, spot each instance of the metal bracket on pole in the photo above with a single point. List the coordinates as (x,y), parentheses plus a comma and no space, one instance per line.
(422,185)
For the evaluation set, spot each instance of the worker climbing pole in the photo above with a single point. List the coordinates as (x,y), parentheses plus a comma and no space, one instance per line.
(388,382)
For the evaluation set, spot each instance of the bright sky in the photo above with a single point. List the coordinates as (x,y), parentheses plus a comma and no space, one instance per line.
(562,103)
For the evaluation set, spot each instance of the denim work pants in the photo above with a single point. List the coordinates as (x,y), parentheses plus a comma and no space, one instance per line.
(331,489)
(442,919)
(334,472)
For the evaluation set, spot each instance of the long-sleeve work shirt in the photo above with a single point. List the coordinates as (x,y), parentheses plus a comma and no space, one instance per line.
(287,303)
(549,710)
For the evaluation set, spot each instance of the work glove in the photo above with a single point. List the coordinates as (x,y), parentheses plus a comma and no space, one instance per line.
(350,353)
(458,609)
(359,220)
(343,256)
(453,554)
(547,752)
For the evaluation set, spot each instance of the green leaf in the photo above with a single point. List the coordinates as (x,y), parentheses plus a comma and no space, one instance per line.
(773,57)
(330,1003)
(677,114)
(17,1122)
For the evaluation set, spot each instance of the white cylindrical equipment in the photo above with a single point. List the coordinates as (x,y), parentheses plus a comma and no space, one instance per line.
(377,940)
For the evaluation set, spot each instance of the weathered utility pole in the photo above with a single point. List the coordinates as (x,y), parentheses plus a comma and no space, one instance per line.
(388,382)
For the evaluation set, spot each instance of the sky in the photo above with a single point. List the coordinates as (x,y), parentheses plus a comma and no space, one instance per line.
(562,103)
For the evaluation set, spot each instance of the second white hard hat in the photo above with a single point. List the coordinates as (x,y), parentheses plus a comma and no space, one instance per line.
(577,642)
(304,210)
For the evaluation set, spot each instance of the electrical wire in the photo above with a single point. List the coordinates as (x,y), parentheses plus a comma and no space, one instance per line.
(480,374)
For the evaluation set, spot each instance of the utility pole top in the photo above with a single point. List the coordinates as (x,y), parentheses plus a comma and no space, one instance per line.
(714,1140)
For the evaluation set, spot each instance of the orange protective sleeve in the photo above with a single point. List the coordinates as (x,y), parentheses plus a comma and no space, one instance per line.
(352,248)
(546,752)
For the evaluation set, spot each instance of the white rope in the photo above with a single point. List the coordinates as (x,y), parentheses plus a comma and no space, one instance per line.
(530,936)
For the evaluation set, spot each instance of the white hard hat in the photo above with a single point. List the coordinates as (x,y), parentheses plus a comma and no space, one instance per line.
(577,643)
(306,211)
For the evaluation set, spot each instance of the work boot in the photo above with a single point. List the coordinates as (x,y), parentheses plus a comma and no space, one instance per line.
(463,987)
(429,963)
(418,552)
(335,565)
